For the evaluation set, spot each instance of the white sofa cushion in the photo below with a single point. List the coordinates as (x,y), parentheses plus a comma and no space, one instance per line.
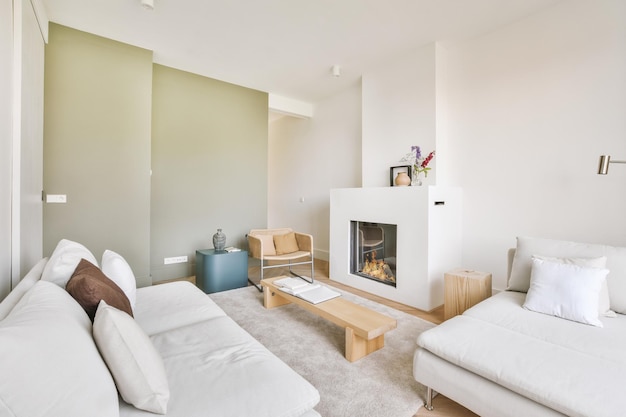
(117,269)
(561,364)
(49,361)
(615,263)
(176,304)
(565,290)
(210,364)
(64,260)
(136,366)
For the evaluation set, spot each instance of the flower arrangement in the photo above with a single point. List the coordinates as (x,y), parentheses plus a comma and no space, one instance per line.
(419,163)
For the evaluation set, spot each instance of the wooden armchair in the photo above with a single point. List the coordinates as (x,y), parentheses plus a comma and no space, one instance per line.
(276,248)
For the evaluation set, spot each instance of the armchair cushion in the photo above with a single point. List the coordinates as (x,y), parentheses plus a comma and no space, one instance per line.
(267,242)
(285,243)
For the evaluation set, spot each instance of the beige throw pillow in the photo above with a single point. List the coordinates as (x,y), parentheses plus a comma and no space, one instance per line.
(286,243)
(268,244)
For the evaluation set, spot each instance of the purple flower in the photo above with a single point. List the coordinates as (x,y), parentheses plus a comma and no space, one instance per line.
(418,152)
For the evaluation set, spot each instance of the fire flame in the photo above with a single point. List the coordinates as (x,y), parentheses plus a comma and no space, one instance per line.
(378,269)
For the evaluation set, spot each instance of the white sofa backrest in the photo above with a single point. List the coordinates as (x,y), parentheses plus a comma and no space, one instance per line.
(519,276)
(509,264)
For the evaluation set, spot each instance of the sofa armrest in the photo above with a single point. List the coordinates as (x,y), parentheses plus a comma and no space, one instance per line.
(305,242)
(255,246)
(22,288)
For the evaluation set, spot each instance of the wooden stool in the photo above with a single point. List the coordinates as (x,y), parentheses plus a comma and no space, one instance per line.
(463,289)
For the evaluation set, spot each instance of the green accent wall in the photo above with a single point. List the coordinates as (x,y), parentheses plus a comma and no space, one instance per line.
(209,166)
(112,117)
(97,115)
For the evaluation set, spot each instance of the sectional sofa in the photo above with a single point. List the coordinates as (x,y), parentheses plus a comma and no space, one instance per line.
(552,344)
(174,353)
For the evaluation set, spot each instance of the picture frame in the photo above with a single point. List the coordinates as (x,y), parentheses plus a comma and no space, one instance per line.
(393,172)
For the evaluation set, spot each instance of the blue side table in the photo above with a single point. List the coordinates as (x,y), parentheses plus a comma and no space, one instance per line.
(220,270)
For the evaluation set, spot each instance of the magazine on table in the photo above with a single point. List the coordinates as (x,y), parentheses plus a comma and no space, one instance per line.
(313,293)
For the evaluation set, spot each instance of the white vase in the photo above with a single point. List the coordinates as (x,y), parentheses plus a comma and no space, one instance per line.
(416,181)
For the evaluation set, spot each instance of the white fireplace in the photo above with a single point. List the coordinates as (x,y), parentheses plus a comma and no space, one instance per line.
(427,242)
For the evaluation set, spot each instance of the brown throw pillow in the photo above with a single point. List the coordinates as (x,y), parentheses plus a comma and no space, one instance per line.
(286,243)
(88,285)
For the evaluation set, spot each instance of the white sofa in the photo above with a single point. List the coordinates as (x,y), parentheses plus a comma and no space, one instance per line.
(51,366)
(500,358)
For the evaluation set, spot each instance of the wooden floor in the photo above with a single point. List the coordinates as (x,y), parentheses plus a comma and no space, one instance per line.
(444,407)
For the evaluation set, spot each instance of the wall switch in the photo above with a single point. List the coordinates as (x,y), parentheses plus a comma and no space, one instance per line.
(174,260)
(56,198)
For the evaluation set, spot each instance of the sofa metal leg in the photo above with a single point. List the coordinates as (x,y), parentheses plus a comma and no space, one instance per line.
(429,399)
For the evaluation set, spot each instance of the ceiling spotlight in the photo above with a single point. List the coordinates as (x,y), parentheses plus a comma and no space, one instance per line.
(336,70)
(148,4)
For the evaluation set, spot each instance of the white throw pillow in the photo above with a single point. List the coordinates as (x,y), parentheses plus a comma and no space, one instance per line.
(117,269)
(135,364)
(565,290)
(615,263)
(64,260)
(604,303)
(49,362)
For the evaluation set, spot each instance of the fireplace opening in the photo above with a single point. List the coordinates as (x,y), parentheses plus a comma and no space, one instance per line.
(373,251)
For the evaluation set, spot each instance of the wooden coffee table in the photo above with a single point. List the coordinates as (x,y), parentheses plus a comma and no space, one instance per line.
(365,328)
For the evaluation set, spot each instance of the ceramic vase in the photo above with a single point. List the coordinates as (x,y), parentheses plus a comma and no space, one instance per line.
(402,179)
(219,240)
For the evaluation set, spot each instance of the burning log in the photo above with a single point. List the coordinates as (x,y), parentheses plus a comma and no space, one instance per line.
(378,269)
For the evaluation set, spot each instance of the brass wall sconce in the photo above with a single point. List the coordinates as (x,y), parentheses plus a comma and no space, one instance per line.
(605,160)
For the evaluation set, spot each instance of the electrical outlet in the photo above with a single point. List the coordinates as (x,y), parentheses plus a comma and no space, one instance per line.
(174,260)
(56,198)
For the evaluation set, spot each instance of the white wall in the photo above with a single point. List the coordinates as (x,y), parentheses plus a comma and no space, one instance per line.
(309,157)
(399,111)
(520,117)
(531,108)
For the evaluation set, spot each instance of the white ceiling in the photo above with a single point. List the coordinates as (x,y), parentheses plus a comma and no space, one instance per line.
(286,47)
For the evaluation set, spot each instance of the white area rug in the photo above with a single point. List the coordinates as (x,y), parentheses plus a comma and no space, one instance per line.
(378,385)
